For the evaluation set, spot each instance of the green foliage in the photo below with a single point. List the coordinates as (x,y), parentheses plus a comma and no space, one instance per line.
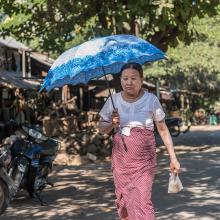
(46,24)
(55,25)
(195,67)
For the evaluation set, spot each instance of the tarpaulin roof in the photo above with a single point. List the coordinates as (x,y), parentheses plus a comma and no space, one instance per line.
(11,80)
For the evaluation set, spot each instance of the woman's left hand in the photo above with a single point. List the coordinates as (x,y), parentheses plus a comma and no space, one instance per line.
(174,166)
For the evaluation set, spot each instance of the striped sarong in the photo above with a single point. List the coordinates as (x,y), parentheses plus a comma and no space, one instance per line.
(133,173)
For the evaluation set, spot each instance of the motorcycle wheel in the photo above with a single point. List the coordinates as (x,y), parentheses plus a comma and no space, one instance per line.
(4,197)
(185,127)
(45,170)
(17,171)
(174,130)
(31,180)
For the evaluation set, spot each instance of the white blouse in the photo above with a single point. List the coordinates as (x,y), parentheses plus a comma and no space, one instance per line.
(140,113)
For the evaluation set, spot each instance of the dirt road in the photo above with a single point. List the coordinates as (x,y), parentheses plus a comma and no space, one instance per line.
(86,192)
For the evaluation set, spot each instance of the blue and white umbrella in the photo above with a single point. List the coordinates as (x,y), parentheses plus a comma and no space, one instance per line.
(97,57)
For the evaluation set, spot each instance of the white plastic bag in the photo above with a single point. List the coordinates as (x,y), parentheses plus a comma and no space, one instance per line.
(174,185)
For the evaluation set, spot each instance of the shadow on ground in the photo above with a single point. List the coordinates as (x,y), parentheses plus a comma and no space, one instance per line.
(87,193)
(200,198)
(198,136)
(79,193)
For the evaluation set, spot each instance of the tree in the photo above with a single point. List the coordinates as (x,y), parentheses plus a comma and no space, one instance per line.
(55,25)
(195,67)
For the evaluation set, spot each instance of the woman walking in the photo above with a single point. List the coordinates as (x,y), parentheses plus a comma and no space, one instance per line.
(134,147)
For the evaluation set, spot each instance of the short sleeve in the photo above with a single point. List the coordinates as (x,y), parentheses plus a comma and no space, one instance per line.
(158,113)
(106,110)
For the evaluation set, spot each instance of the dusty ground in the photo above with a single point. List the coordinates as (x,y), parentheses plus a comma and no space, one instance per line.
(86,192)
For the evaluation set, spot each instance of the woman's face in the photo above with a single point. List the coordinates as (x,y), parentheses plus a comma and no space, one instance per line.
(131,81)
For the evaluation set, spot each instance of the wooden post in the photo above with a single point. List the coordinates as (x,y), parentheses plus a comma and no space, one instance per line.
(158,89)
(182,98)
(88,105)
(65,93)
(23,64)
(81,98)
(29,64)
(187,102)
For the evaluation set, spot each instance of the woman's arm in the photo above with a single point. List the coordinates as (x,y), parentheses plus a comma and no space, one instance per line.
(165,135)
(107,126)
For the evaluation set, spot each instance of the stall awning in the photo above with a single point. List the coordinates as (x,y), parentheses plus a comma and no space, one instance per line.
(12,43)
(166,95)
(104,93)
(11,79)
(42,58)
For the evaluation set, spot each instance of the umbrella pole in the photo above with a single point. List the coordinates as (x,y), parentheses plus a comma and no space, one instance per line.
(108,86)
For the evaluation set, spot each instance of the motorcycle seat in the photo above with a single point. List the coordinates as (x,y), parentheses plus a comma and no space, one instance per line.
(49,148)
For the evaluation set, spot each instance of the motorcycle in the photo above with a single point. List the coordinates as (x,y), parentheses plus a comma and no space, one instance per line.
(32,157)
(7,189)
(173,125)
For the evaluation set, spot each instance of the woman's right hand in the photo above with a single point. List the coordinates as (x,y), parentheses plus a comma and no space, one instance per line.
(115,118)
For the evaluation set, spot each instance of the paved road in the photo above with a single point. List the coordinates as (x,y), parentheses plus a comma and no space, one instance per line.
(86,192)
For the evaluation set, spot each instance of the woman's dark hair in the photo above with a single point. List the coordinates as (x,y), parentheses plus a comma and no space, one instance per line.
(135,66)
